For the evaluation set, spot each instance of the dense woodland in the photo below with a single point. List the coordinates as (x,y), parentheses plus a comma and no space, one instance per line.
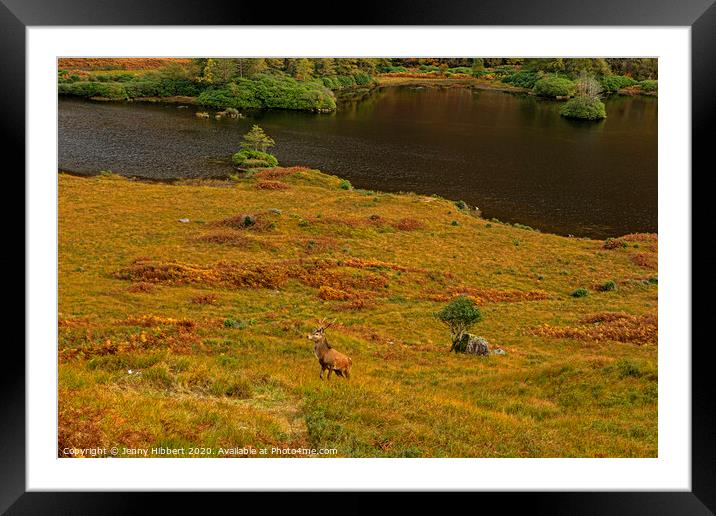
(313,84)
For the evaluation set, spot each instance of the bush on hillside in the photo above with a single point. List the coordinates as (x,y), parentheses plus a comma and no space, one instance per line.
(522,79)
(612,83)
(649,85)
(554,86)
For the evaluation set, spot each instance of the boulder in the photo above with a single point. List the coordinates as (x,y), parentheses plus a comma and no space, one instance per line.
(473,345)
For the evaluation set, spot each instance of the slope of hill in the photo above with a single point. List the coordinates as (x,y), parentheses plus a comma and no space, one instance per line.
(185,334)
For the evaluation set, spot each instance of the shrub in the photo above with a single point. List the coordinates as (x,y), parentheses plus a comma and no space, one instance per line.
(614,243)
(626,368)
(269,91)
(428,69)
(247,158)
(459,316)
(345,185)
(580,292)
(608,286)
(554,86)
(110,90)
(461,205)
(522,79)
(612,83)
(256,140)
(585,108)
(649,85)
(362,79)
(233,386)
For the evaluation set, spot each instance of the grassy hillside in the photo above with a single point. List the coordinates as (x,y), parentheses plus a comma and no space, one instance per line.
(211,317)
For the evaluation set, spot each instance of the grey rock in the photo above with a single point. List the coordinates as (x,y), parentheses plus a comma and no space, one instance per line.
(184,220)
(473,345)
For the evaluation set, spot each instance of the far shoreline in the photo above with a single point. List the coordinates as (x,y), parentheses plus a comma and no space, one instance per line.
(383,81)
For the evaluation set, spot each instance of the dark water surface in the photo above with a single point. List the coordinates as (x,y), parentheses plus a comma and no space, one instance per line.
(512,156)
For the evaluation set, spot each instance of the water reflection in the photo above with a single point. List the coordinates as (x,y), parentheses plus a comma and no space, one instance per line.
(513,156)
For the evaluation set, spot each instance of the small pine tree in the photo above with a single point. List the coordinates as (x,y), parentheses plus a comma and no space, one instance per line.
(459,316)
(256,139)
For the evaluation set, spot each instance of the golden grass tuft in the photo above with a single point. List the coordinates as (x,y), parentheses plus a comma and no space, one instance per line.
(408,225)
(141,287)
(333,294)
(641,237)
(204,299)
(259,222)
(490,295)
(642,329)
(225,237)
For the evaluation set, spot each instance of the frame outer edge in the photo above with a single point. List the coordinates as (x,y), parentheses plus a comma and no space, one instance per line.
(12,379)
(703,109)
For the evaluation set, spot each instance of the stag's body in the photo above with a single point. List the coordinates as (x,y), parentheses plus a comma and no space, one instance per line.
(328,357)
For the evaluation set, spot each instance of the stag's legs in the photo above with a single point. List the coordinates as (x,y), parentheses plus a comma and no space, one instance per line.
(322,369)
(329,373)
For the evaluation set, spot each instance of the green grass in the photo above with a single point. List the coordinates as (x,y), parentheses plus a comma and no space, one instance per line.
(577,380)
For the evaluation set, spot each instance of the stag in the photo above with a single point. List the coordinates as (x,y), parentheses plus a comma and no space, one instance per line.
(329,358)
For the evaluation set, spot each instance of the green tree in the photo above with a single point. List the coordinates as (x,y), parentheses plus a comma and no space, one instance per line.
(257,140)
(276,64)
(478,64)
(326,67)
(174,71)
(459,316)
(595,66)
(302,69)
(218,71)
(347,66)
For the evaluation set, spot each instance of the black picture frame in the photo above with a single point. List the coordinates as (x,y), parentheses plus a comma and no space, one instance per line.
(699,15)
